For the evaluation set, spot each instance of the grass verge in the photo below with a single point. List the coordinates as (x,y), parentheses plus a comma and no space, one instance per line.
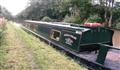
(46,57)
(3,47)
(13,55)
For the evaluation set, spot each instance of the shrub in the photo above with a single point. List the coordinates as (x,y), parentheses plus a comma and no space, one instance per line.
(72,19)
(95,18)
(2,29)
(1,35)
(117,26)
(47,19)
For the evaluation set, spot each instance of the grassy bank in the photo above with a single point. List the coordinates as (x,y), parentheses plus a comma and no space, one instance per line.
(3,45)
(22,51)
(47,57)
(13,55)
(3,53)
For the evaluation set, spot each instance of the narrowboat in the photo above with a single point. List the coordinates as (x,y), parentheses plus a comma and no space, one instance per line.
(74,37)
(78,39)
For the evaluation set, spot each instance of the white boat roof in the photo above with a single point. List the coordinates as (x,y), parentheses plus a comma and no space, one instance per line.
(63,24)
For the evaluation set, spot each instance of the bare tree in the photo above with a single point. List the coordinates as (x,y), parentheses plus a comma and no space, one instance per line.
(108,8)
(111,3)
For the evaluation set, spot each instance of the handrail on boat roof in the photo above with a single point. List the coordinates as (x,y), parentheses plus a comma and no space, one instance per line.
(69,25)
(109,46)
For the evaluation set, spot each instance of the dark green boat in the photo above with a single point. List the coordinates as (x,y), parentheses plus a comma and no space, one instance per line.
(74,37)
(77,39)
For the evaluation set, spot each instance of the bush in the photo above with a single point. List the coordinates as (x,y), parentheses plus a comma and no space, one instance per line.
(2,29)
(1,35)
(72,19)
(117,26)
(47,19)
(95,18)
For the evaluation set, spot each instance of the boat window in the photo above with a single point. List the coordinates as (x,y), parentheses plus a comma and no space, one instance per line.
(56,35)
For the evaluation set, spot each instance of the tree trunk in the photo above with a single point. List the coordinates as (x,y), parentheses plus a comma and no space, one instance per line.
(105,15)
(111,3)
(110,19)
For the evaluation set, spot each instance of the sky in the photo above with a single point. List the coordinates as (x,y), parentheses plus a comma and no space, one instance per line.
(14,6)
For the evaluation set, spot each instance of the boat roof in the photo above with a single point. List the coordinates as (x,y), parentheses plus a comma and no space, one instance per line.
(61,24)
